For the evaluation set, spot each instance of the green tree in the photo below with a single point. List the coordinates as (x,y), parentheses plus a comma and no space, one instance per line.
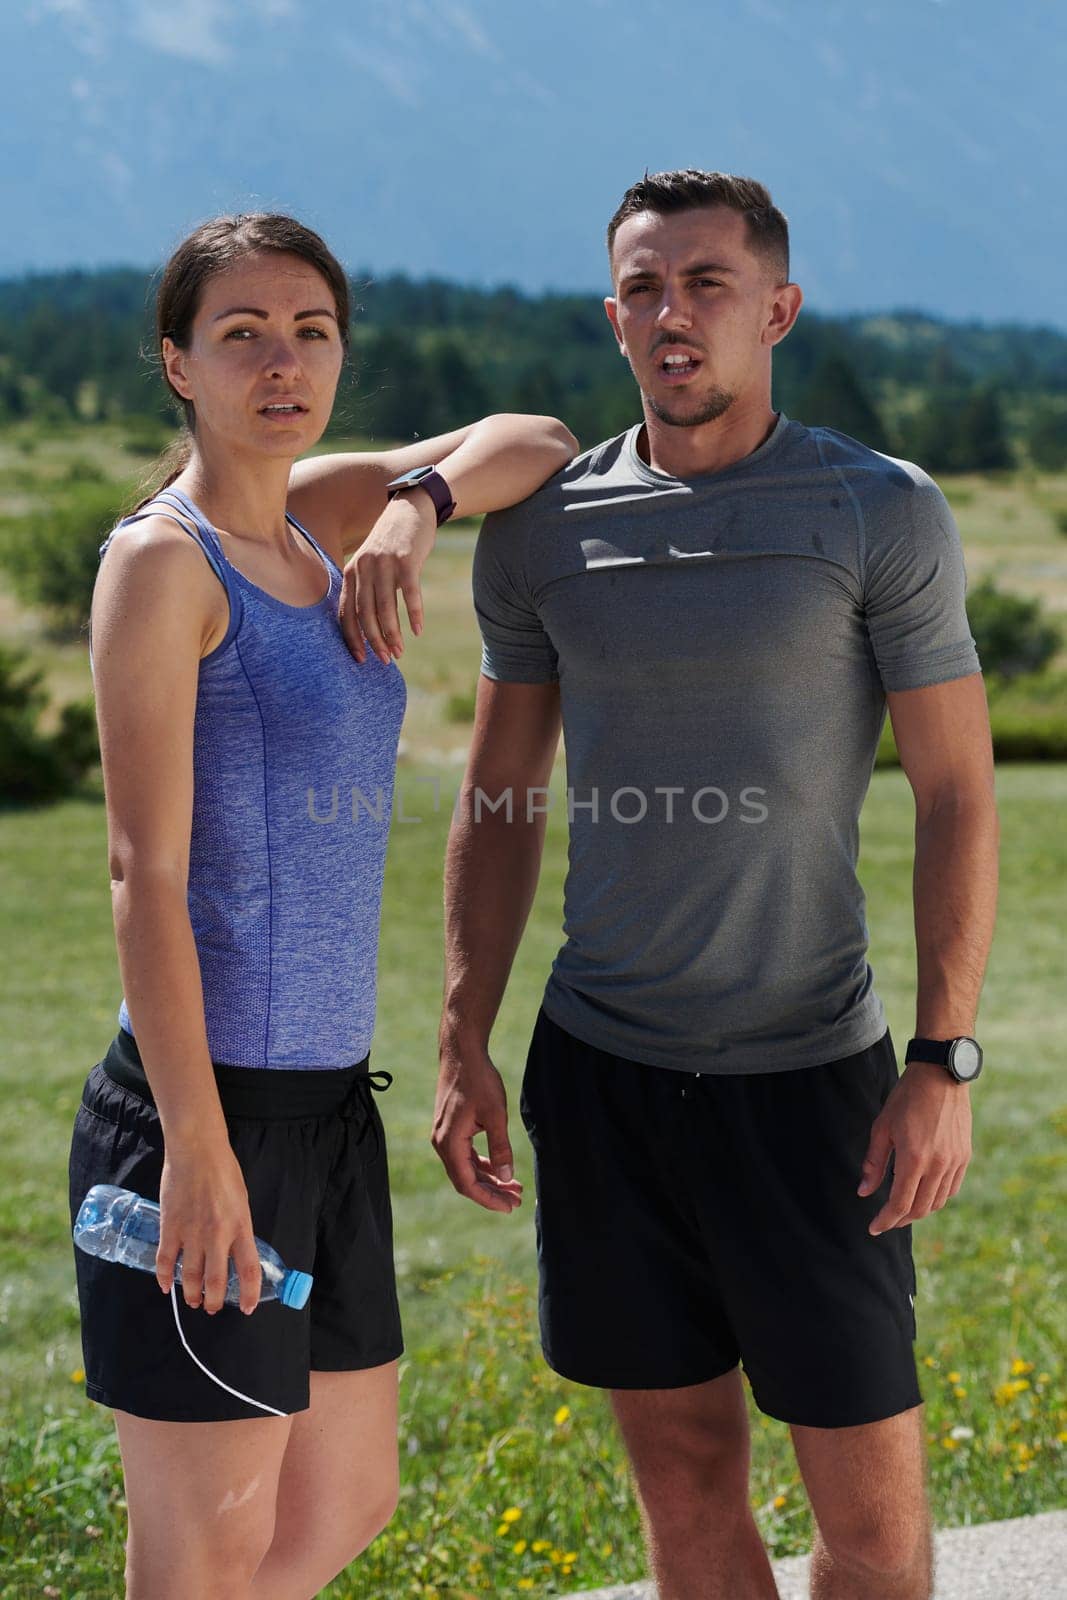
(835,398)
(53,554)
(981,442)
(458,393)
(1046,436)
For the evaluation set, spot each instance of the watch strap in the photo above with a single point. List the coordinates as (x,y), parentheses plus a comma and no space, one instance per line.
(928,1050)
(431,480)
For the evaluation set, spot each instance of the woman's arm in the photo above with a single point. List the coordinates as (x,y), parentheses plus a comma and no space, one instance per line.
(342,499)
(153,606)
(487,465)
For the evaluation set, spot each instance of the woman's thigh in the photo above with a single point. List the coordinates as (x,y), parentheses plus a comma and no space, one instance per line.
(339,1480)
(202,1498)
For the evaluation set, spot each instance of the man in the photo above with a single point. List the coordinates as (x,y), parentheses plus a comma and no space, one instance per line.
(719,605)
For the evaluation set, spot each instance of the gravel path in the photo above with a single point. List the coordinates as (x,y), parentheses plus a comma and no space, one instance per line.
(1024,1559)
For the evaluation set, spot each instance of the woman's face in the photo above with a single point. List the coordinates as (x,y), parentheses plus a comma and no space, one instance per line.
(265,354)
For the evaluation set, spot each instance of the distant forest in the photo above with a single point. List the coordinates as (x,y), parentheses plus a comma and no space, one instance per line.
(427,355)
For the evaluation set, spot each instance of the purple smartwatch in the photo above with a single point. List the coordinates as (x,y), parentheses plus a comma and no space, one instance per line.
(430,479)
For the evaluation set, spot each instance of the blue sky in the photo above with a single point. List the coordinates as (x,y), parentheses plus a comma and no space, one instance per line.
(915,145)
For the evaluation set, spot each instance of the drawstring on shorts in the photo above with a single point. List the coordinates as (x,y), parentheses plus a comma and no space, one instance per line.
(358,1106)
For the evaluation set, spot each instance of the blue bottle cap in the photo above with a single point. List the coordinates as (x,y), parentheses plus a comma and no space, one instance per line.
(295,1289)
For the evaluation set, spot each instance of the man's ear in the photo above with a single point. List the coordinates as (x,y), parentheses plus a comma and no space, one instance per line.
(611,306)
(174,361)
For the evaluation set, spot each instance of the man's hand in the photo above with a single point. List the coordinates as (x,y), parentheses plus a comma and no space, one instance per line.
(390,558)
(471,1099)
(926,1121)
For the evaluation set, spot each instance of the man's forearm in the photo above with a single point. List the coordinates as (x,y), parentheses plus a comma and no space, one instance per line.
(491,871)
(955,896)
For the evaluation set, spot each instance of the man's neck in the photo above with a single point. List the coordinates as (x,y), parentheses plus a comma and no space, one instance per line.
(694,452)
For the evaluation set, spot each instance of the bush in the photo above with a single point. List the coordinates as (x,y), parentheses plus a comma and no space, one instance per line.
(53,555)
(1012,635)
(1027,716)
(34,766)
(460,707)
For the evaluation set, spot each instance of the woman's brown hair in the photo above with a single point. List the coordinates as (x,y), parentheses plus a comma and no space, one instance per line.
(212,247)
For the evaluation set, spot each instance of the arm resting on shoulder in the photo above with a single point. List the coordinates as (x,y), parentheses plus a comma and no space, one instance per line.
(487,465)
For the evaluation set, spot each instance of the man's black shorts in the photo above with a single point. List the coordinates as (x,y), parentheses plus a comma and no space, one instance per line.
(311,1147)
(686,1222)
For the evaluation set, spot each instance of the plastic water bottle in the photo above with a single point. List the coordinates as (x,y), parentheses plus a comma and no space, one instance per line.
(118,1225)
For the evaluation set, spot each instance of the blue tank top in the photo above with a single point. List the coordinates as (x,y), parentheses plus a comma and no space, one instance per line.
(294,756)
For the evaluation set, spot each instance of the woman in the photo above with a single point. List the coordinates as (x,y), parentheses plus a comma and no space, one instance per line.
(260,1458)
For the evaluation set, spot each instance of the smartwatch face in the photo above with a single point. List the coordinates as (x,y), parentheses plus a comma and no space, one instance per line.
(966,1058)
(408,479)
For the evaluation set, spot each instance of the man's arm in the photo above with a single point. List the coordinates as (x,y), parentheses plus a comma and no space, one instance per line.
(491,871)
(943,739)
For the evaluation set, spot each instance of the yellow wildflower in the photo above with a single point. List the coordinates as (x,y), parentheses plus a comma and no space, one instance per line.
(525,1583)
(519,1546)
(953,1377)
(78,1375)
(512,1514)
(959,1392)
(779,1501)
(950,1443)
(561,1416)
(1021,1366)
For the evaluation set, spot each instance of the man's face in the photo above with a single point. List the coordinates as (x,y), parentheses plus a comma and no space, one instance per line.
(691,311)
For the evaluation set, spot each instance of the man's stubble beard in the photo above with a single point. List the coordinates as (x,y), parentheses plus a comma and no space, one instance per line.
(716,402)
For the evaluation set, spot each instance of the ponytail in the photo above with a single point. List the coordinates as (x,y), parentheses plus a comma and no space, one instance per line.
(164,470)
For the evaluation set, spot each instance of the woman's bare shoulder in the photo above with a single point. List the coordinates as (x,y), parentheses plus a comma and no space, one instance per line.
(156,567)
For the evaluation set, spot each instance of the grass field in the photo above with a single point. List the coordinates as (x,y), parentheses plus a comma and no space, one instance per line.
(513,1479)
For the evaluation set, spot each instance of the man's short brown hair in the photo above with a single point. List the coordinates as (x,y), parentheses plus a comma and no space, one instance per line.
(768,229)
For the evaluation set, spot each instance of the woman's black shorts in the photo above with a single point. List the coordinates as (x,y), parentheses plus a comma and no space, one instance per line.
(311,1147)
(686,1222)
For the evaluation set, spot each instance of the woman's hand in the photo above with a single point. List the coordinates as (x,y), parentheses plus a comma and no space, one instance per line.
(389,559)
(204,1214)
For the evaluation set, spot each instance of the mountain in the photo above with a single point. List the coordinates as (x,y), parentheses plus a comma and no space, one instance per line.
(914,147)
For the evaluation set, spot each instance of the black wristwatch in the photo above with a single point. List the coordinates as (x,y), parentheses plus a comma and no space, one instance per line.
(961,1057)
(430,479)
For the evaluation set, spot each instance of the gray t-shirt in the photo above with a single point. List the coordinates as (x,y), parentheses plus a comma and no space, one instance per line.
(723,645)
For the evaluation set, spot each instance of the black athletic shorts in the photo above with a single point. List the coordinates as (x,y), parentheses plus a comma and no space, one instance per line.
(311,1147)
(687,1221)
